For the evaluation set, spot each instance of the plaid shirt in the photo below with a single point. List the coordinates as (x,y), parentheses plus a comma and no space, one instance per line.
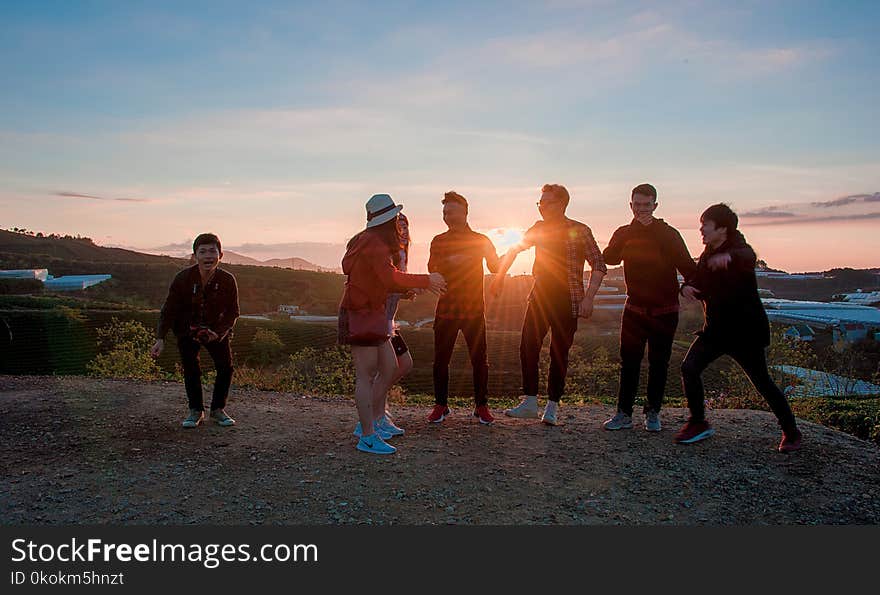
(560,257)
(458,256)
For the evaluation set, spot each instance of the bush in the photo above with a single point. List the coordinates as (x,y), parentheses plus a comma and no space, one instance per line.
(322,372)
(857,416)
(124,352)
(592,375)
(266,347)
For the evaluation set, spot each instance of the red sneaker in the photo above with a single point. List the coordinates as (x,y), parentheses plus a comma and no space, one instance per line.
(694,431)
(791,441)
(484,414)
(438,414)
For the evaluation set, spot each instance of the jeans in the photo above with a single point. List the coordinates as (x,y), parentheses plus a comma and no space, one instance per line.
(221,353)
(638,329)
(753,361)
(543,314)
(445,334)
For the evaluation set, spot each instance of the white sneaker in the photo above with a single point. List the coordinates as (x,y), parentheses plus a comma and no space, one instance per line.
(383,434)
(550,412)
(527,409)
(384,424)
(375,445)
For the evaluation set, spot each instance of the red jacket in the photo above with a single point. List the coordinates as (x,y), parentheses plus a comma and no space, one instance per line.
(372,276)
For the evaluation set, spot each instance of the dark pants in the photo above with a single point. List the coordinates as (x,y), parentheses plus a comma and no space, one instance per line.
(638,329)
(221,353)
(445,334)
(753,362)
(545,314)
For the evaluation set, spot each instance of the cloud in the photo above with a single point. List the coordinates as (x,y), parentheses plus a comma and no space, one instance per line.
(848,208)
(838,202)
(92,197)
(828,219)
(848,200)
(768,212)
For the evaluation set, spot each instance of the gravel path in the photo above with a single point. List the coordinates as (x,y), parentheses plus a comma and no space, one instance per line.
(84,451)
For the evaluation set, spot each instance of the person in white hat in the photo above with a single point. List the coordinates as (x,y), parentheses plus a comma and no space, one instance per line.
(368,263)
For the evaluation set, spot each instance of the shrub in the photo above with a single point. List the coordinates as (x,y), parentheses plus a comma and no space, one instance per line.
(592,375)
(266,347)
(124,352)
(323,372)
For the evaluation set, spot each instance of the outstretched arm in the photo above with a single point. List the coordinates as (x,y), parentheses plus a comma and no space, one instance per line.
(504,264)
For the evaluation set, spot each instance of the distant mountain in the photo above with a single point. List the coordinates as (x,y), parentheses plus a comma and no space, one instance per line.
(295,263)
(70,248)
(235,258)
(141,280)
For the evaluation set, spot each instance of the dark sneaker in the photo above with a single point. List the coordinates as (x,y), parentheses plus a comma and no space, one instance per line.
(438,414)
(620,421)
(195,418)
(694,431)
(791,441)
(221,419)
(484,414)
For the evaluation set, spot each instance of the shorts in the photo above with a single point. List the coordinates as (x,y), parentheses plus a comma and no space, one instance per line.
(400,346)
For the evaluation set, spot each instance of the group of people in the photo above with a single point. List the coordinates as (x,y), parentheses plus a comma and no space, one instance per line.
(202,306)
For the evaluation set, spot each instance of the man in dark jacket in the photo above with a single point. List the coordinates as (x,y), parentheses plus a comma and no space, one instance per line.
(736,325)
(652,253)
(201,309)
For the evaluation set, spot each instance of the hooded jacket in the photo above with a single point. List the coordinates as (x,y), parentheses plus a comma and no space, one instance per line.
(372,276)
(733,308)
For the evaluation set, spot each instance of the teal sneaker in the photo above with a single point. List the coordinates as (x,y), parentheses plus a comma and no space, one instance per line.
(383,434)
(386,426)
(195,418)
(374,444)
(652,421)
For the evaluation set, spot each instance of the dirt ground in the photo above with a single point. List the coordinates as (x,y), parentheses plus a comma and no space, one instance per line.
(83,451)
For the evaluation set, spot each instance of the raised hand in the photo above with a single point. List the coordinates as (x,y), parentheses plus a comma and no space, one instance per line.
(719,261)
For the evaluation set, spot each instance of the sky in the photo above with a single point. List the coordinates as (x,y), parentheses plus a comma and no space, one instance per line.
(271,124)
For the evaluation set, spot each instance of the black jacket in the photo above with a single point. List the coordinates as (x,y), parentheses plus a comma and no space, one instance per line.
(189,304)
(651,254)
(734,312)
